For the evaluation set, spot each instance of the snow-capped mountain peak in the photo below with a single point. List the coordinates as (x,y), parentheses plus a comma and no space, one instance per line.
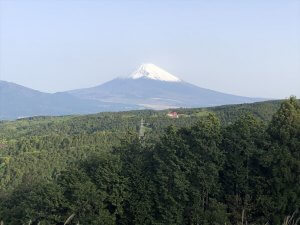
(152,71)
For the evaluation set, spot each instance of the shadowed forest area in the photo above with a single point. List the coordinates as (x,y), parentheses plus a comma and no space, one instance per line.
(235,164)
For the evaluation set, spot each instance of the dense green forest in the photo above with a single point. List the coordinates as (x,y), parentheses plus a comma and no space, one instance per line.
(236,164)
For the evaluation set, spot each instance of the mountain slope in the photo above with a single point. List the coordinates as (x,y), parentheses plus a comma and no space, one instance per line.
(152,87)
(148,87)
(17,101)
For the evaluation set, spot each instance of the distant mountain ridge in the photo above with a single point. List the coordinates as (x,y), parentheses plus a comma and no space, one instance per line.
(152,87)
(17,101)
(149,87)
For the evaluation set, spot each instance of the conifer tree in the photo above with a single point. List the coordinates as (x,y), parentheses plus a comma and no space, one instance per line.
(282,163)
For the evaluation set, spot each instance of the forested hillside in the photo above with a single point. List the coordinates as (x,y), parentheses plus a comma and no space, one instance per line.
(236,164)
(117,121)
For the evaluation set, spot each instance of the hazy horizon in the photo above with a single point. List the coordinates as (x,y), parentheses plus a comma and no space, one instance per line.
(243,48)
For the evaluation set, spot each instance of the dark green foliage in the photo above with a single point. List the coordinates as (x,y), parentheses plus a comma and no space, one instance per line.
(238,165)
(282,162)
(93,190)
(137,167)
(36,202)
(170,178)
(242,179)
(203,161)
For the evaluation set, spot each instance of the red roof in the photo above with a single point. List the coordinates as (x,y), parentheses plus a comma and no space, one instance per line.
(173,114)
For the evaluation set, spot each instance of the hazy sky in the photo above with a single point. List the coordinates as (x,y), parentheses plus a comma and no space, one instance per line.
(249,48)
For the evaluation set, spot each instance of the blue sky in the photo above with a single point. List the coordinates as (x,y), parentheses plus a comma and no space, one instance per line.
(249,48)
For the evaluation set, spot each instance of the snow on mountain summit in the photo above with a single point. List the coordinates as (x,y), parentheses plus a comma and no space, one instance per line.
(152,71)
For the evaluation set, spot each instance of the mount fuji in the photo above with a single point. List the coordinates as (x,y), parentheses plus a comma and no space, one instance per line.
(149,87)
(154,88)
